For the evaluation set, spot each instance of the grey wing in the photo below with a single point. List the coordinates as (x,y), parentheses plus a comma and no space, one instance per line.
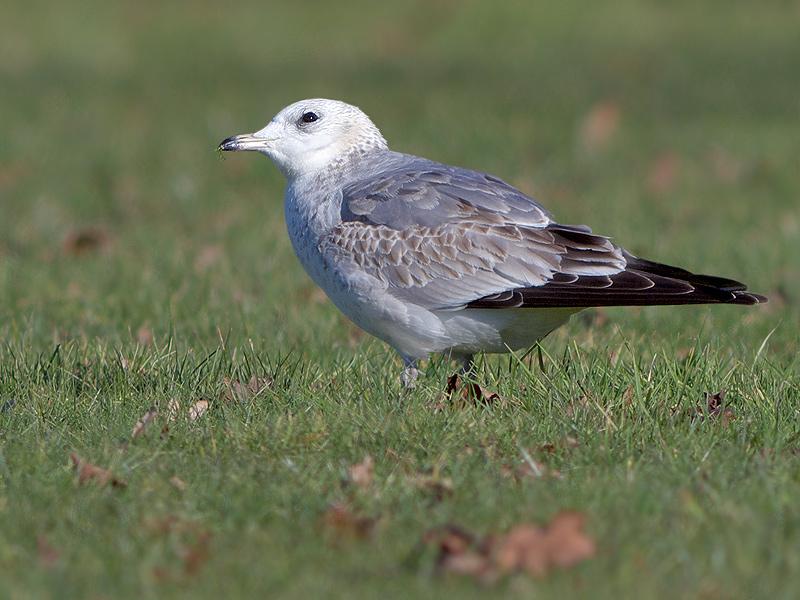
(405,191)
(443,237)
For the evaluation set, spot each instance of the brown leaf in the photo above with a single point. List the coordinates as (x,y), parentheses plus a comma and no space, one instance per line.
(450,540)
(567,541)
(341,522)
(173,409)
(144,336)
(178,483)
(599,126)
(172,413)
(548,448)
(537,550)
(143,422)
(48,555)
(241,392)
(85,240)
(469,392)
(196,553)
(663,173)
(361,473)
(198,409)
(530,469)
(566,443)
(715,408)
(526,547)
(628,395)
(522,548)
(459,552)
(162,525)
(438,487)
(88,472)
(191,541)
(469,563)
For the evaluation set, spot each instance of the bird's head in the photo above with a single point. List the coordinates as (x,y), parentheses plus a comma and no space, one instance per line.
(308,136)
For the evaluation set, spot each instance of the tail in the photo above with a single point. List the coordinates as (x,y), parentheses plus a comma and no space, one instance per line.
(717,289)
(641,283)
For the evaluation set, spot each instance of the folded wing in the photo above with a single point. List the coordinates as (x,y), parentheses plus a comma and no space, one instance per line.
(448,238)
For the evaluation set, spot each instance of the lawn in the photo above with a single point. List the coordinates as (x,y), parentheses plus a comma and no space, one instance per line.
(139,270)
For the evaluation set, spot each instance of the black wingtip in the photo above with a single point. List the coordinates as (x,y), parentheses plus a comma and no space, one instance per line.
(748,298)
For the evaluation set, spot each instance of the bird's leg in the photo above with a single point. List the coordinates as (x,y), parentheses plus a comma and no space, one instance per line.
(410,373)
(467,368)
(467,364)
(460,380)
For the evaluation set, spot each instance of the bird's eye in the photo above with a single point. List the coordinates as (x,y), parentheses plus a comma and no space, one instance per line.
(309,117)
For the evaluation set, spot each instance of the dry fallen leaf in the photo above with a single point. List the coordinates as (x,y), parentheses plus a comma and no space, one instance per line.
(48,555)
(599,126)
(536,550)
(434,484)
(530,469)
(469,392)
(361,473)
(172,413)
(243,392)
(144,336)
(173,409)
(341,522)
(451,539)
(715,408)
(196,553)
(88,472)
(178,483)
(143,422)
(189,538)
(628,395)
(566,443)
(85,240)
(198,409)
(525,548)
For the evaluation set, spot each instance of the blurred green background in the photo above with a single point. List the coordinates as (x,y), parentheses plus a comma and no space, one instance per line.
(112,112)
(673,127)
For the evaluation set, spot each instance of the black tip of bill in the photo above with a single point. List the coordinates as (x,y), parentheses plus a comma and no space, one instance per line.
(228,144)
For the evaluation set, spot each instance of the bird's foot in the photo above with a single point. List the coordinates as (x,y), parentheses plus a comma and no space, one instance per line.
(409,375)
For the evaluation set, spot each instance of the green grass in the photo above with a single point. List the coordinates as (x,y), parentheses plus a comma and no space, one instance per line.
(110,117)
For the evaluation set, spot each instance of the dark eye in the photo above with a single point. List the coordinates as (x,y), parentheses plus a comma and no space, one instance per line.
(309,117)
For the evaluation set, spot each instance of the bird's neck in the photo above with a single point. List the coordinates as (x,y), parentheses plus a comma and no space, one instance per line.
(334,161)
(313,202)
(313,196)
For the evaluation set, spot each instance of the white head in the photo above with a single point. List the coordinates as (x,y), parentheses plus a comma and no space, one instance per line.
(308,136)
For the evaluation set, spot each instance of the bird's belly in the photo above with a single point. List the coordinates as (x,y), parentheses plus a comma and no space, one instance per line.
(498,330)
(361,297)
(413,330)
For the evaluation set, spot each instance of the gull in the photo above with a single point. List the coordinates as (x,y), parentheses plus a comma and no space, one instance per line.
(433,258)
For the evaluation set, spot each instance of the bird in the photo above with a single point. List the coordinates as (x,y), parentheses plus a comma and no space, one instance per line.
(433,258)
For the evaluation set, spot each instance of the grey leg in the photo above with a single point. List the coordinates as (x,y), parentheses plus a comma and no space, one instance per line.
(467,364)
(410,373)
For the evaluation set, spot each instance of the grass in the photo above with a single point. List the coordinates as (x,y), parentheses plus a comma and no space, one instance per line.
(185,282)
